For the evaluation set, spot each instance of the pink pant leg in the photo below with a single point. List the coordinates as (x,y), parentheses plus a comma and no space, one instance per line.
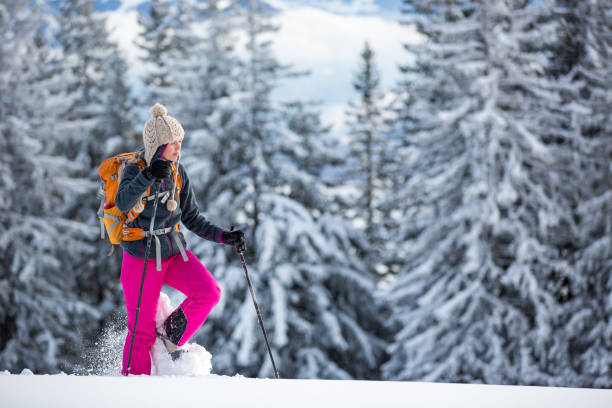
(131,276)
(202,291)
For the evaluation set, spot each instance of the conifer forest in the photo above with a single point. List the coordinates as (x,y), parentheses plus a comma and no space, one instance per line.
(458,229)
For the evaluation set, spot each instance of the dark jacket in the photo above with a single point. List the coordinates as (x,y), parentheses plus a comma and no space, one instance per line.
(133,184)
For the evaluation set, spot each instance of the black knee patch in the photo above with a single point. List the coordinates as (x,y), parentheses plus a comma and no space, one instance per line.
(175,325)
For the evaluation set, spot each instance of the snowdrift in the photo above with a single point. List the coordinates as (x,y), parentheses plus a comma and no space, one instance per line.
(218,391)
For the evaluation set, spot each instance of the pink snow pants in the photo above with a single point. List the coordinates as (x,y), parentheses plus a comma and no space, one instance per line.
(191,278)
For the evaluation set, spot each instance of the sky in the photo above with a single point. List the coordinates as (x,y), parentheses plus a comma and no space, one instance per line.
(324,37)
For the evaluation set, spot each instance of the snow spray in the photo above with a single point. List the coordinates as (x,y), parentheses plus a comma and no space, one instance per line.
(107,353)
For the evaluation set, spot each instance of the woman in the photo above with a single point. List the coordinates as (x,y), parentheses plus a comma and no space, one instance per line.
(174,265)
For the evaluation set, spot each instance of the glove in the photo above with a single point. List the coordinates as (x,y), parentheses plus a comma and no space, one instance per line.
(158,170)
(235,238)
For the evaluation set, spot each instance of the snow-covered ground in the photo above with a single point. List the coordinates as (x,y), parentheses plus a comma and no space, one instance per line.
(65,391)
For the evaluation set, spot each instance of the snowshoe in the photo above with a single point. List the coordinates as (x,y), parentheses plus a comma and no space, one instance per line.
(174,351)
(176,354)
(170,346)
(172,331)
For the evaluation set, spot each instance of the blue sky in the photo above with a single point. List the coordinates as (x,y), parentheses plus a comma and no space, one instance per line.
(324,37)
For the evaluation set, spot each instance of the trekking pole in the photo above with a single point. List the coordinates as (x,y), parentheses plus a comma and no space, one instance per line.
(149,239)
(246,273)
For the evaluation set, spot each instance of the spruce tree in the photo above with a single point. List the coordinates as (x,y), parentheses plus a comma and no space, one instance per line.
(580,65)
(315,295)
(483,292)
(88,53)
(154,43)
(167,40)
(366,158)
(209,87)
(41,310)
(97,123)
(121,107)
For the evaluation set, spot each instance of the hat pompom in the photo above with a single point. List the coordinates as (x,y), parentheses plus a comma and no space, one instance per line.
(158,110)
(171,205)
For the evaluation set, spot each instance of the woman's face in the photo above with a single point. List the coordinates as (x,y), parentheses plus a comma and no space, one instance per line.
(172,151)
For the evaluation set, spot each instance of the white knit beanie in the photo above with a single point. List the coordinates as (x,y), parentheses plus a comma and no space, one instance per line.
(160,130)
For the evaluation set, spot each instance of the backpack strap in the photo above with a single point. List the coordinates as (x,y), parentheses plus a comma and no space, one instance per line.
(178,187)
(135,234)
(178,242)
(101,211)
(133,214)
(162,194)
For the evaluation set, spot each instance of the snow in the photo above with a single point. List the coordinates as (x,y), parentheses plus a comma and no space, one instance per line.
(195,361)
(215,391)
(478,197)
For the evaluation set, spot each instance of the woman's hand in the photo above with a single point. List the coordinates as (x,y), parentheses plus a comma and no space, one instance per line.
(158,170)
(236,238)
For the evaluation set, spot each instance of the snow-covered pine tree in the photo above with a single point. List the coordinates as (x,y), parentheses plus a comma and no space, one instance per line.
(121,106)
(430,174)
(208,85)
(365,162)
(581,66)
(167,39)
(96,125)
(204,72)
(482,294)
(40,306)
(315,295)
(154,43)
(88,53)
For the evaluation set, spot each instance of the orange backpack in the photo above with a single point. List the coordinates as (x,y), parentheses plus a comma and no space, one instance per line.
(111,218)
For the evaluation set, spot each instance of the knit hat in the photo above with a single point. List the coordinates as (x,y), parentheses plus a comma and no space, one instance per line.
(160,130)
